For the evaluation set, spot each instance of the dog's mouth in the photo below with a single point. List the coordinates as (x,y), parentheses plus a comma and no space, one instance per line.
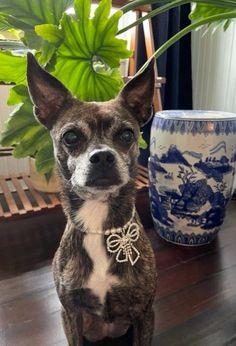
(103,183)
(103,179)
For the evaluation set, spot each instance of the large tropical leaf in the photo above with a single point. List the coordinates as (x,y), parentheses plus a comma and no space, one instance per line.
(28,13)
(90,54)
(203,11)
(12,68)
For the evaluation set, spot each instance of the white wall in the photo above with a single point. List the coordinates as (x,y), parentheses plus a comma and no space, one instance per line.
(214,69)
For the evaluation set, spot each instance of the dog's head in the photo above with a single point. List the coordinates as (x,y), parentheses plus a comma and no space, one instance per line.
(95,143)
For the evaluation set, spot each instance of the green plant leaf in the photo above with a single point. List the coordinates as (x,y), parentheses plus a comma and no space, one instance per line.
(28,137)
(45,159)
(49,32)
(4,24)
(34,139)
(18,124)
(50,36)
(12,22)
(47,51)
(141,142)
(28,13)
(202,11)
(12,68)
(88,58)
(18,94)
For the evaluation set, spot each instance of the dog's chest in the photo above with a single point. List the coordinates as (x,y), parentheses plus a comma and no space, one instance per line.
(92,215)
(100,280)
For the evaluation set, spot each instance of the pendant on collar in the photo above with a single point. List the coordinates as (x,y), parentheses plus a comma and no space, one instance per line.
(123,244)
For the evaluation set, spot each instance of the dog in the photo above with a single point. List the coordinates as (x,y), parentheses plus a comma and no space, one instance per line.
(104,268)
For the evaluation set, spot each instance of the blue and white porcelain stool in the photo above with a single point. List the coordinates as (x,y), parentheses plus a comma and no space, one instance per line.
(191,171)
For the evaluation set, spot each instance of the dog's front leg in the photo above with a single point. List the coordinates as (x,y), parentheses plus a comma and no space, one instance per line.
(143,329)
(73,327)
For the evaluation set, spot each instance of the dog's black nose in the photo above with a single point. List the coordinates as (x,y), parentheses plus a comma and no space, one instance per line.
(102,157)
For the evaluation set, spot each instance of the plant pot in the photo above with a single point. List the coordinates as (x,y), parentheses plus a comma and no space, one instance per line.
(191,172)
(39,181)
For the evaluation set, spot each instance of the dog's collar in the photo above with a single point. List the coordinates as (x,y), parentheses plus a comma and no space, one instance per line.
(120,241)
(120,229)
(112,230)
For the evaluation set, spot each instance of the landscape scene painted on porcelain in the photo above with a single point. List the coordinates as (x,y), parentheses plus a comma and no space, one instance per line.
(191,188)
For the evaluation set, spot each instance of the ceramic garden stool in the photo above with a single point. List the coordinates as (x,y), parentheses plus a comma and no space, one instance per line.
(191,173)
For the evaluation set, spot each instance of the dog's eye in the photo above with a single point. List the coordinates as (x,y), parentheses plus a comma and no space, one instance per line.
(127,136)
(70,138)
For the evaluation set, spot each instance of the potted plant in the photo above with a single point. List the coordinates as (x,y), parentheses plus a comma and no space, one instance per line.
(83,52)
(71,47)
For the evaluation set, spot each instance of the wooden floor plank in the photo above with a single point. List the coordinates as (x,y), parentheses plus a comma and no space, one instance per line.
(214,327)
(189,273)
(195,299)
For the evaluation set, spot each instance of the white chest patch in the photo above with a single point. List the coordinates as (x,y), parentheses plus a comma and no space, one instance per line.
(92,214)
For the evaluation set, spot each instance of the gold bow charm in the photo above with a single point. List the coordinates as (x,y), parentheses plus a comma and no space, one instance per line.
(122,244)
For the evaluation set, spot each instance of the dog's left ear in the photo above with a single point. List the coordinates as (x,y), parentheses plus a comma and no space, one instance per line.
(137,94)
(47,93)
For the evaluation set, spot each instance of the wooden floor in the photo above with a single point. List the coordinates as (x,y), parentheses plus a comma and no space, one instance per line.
(195,303)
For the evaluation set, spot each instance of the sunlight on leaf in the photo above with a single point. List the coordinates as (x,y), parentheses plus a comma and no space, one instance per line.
(91,53)
(13,68)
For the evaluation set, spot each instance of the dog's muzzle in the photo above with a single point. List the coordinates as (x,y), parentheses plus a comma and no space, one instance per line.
(103,170)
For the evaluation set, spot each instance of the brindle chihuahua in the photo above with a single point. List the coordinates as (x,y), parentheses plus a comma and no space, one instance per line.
(106,285)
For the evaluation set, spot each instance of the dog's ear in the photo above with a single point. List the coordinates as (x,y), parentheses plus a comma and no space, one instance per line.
(137,94)
(47,93)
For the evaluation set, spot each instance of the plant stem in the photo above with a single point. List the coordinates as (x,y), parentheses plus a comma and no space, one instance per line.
(169,5)
(188,29)
(137,3)
(153,13)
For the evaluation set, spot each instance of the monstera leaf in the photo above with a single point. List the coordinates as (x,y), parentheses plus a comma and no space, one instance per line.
(90,54)
(202,11)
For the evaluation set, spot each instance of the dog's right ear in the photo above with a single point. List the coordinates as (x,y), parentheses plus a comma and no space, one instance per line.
(47,93)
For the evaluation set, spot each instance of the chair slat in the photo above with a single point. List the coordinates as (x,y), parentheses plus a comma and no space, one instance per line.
(22,195)
(54,199)
(9,198)
(38,198)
